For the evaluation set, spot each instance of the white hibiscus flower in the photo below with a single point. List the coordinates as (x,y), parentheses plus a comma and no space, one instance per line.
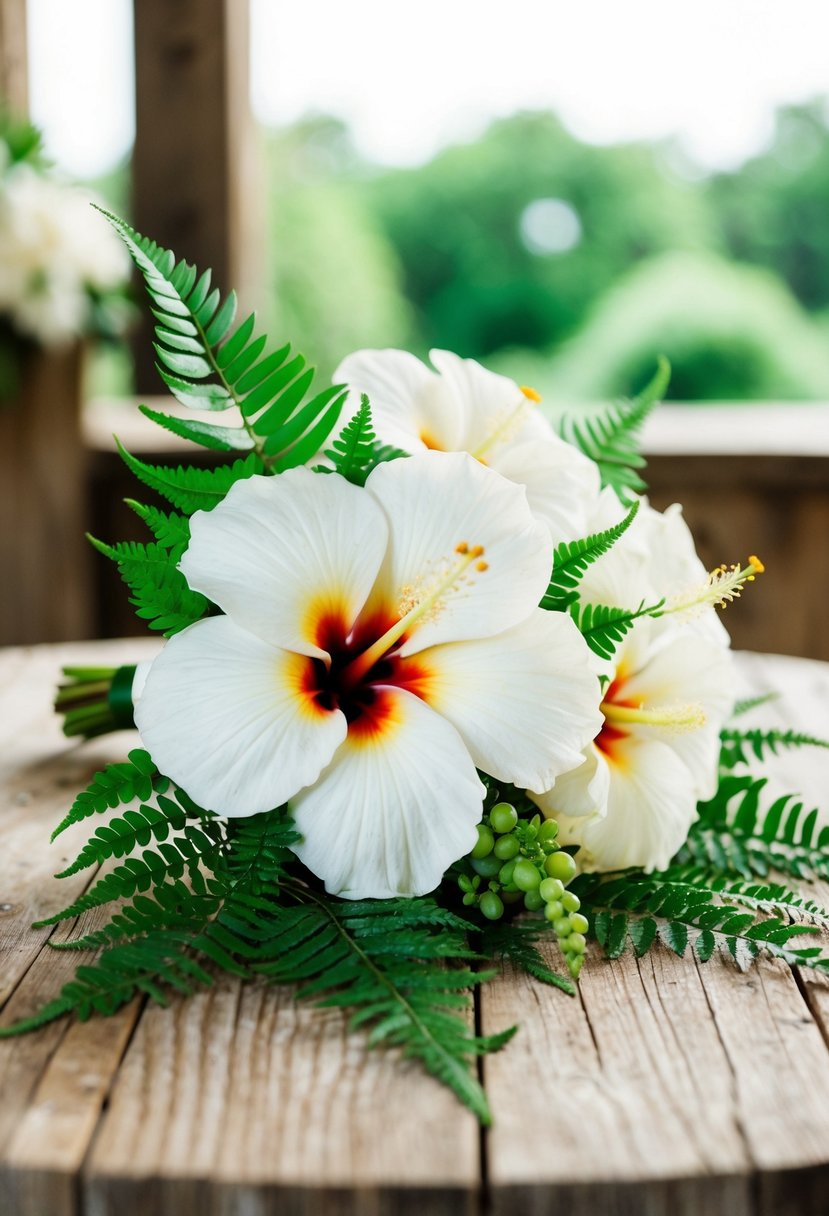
(378,644)
(669,690)
(462,407)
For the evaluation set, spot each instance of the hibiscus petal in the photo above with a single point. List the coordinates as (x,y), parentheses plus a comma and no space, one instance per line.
(526,703)
(435,501)
(562,485)
(650,807)
(582,791)
(396,806)
(289,558)
(494,409)
(410,406)
(685,668)
(232,721)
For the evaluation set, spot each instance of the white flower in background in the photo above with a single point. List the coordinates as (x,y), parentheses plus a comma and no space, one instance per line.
(462,407)
(54,249)
(379,643)
(670,689)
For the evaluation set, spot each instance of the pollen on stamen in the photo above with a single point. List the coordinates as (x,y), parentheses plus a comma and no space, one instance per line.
(462,547)
(477,551)
(481,566)
(530,393)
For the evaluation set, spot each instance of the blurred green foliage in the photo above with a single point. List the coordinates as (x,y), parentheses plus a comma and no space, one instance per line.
(456,224)
(731,332)
(566,264)
(334,281)
(636,259)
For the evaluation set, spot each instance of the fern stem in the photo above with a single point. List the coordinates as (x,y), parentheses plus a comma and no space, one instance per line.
(305,894)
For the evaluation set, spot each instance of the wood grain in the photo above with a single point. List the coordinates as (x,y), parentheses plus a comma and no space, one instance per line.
(673,1087)
(230,1102)
(665,1087)
(43,505)
(196,173)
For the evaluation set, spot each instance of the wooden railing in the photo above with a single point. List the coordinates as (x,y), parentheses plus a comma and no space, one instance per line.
(752,479)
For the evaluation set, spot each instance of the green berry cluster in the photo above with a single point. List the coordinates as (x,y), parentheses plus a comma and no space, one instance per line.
(518,860)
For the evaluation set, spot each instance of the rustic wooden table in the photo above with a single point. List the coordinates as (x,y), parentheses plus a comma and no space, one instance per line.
(665,1087)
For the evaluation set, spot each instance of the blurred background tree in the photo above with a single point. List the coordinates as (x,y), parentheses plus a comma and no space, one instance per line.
(566,263)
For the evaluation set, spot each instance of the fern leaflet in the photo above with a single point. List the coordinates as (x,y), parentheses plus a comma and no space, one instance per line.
(208,365)
(572,558)
(610,438)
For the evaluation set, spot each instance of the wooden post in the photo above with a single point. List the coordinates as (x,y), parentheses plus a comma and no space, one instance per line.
(194,165)
(14,80)
(44,556)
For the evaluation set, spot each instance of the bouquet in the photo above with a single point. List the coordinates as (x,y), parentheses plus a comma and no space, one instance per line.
(438,683)
(62,275)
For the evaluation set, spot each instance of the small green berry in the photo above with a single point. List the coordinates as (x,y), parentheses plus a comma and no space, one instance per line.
(560,865)
(579,922)
(575,943)
(491,906)
(548,830)
(503,817)
(525,875)
(554,910)
(552,888)
(574,964)
(506,872)
(469,899)
(487,867)
(533,900)
(571,902)
(563,927)
(506,847)
(484,843)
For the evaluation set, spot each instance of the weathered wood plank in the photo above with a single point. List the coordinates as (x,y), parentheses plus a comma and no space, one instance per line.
(224,1103)
(280,1109)
(672,1087)
(54,1082)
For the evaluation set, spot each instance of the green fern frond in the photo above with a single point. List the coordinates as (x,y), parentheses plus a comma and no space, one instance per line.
(150,965)
(208,365)
(353,452)
(350,954)
(182,854)
(572,558)
(749,703)
(116,785)
(515,942)
(603,627)
(172,531)
(160,592)
(208,434)
(191,489)
(636,910)
(735,744)
(610,438)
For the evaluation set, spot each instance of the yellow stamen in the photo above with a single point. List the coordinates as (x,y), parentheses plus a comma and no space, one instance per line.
(356,669)
(672,717)
(509,421)
(481,566)
(724,584)
(530,393)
